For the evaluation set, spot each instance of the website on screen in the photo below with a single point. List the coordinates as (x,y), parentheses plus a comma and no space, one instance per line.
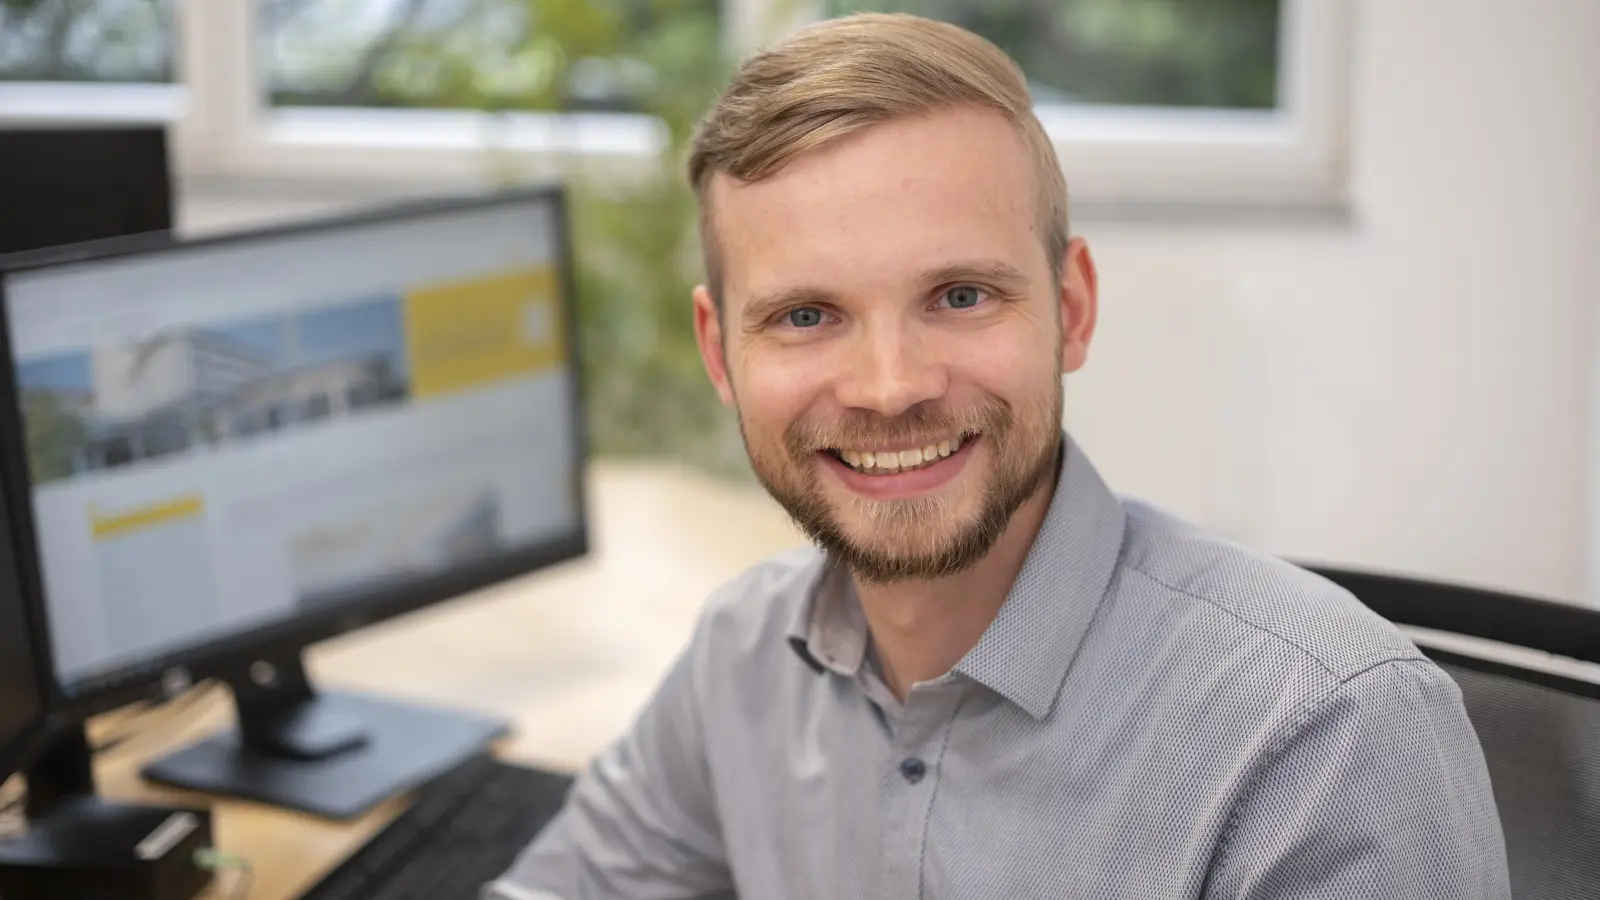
(237,433)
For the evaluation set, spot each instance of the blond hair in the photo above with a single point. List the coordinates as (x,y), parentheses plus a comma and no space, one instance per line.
(842,76)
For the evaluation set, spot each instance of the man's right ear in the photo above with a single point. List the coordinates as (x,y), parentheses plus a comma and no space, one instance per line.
(708,334)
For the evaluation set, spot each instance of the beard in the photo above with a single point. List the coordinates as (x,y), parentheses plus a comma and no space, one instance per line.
(917,538)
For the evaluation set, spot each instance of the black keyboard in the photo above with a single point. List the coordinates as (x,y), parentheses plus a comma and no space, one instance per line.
(465,828)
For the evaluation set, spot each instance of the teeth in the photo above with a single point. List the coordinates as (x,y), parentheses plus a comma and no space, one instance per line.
(895,461)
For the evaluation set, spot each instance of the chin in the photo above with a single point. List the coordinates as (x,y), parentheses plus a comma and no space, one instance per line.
(911,535)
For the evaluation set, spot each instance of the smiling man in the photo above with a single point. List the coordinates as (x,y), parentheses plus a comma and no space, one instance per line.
(993,677)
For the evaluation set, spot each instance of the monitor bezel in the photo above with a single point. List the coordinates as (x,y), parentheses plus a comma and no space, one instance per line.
(25,745)
(222,657)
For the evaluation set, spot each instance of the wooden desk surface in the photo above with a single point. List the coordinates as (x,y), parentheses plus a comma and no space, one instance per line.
(568,655)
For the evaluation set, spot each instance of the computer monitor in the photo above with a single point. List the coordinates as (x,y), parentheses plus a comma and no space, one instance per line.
(221,451)
(23,701)
(65,185)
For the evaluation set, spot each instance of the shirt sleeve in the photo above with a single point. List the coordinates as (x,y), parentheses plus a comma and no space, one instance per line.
(1380,791)
(640,821)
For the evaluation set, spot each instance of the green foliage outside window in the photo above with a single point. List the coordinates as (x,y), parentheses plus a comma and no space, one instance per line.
(1186,53)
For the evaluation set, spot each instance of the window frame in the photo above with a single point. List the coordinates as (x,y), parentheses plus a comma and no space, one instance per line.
(223,125)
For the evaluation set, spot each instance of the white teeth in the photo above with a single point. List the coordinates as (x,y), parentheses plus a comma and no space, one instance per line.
(895,461)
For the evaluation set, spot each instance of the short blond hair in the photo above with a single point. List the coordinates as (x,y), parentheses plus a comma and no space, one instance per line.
(841,76)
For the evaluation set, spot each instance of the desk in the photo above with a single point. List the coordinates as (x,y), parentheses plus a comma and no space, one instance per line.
(568,655)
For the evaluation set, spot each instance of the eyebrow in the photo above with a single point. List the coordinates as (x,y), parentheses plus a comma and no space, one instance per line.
(987,270)
(765,305)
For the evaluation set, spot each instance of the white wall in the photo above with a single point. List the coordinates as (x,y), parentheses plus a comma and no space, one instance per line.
(1411,390)
(1408,390)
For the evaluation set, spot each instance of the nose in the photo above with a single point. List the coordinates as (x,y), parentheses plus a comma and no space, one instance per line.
(889,370)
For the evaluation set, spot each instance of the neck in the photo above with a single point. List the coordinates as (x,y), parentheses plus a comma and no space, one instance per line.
(921,629)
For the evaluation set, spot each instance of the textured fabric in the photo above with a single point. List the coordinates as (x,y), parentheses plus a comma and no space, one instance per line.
(1154,713)
(1540,745)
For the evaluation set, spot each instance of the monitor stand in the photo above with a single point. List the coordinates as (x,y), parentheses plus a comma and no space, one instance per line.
(336,755)
(75,840)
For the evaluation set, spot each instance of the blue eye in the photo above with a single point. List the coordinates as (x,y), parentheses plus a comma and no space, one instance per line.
(963,297)
(804,317)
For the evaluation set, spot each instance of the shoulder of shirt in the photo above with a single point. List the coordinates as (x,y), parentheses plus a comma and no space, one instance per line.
(1255,592)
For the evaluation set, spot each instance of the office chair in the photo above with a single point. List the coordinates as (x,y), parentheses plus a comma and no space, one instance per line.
(1540,731)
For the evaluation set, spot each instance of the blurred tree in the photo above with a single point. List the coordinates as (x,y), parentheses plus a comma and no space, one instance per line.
(53,433)
(1210,53)
(86,40)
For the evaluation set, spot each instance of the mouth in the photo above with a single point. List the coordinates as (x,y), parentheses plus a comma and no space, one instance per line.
(893,473)
(880,462)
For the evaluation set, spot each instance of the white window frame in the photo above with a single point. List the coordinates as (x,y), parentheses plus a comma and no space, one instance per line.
(223,126)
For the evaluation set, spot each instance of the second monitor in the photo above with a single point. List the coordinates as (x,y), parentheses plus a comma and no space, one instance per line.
(231,448)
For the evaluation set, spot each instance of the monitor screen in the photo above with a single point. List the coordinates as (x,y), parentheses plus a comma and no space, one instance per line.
(66,185)
(239,432)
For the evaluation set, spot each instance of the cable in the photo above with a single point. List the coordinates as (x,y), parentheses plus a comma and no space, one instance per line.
(216,860)
(12,825)
(18,797)
(134,721)
(139,724)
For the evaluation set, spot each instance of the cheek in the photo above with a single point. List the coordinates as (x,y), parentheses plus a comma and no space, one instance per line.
(1007,362)
(773,389)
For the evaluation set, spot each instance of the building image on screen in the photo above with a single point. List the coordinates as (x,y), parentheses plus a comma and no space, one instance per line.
(191,389)
(219,437)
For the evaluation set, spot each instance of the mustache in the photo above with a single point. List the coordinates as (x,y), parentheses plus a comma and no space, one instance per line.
(925,423)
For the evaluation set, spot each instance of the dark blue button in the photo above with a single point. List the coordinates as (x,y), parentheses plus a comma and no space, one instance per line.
(913,769)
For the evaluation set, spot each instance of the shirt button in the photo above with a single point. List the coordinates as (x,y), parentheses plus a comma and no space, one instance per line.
(912,769)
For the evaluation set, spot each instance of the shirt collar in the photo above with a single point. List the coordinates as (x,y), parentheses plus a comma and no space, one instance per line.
(1026,651)
(829,631)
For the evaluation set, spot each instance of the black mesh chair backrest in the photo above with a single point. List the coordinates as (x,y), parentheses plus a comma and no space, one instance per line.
(1540,732)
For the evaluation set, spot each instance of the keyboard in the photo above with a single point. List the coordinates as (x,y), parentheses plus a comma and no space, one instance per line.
(465,828)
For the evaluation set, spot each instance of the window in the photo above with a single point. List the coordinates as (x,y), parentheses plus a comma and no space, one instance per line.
(115,451)
(1231,101)
(475,54)
(1172,53)
(317,406)
(86,41)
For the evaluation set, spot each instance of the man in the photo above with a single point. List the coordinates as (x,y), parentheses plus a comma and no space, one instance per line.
(994,679)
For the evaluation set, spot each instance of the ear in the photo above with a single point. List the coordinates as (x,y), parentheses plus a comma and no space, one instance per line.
(713,352)
(1080,286)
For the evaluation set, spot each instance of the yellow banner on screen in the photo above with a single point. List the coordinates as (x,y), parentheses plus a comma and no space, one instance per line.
(150,515)
(472,334)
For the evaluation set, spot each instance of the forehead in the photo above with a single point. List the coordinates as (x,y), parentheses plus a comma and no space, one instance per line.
(876,209)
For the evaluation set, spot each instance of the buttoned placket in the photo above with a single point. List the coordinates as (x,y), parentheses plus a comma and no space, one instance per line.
(919,733)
